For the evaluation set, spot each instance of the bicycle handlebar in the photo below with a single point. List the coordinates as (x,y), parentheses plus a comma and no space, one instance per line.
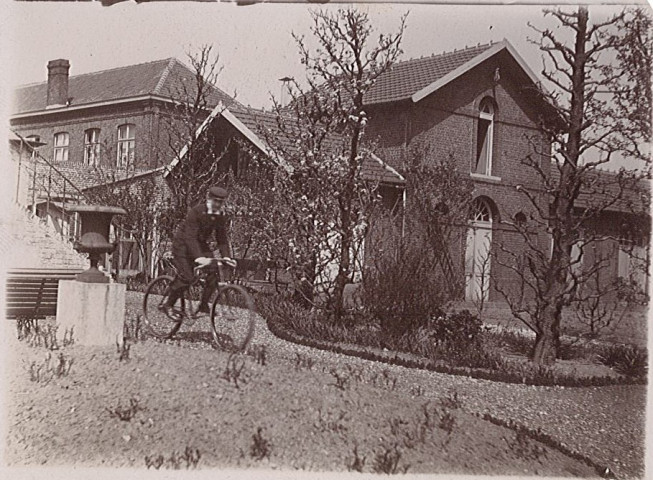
(217,261)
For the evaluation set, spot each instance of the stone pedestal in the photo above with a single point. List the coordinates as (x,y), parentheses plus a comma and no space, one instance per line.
(95,312)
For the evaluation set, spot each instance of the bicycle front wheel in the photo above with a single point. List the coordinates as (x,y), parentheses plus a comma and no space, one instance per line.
(232,318)
(162,324)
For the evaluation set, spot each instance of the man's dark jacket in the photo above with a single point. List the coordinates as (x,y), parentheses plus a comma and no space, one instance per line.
(192,235)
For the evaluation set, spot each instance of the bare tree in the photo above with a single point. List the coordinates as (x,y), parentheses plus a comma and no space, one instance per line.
(590,131)
(197,154)
(326,196)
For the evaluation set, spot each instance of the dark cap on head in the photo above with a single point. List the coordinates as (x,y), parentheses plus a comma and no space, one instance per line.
(217,192)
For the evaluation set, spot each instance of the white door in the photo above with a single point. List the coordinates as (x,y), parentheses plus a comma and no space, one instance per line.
(477,253)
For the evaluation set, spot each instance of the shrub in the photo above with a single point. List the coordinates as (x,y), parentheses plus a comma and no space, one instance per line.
(402,290)
(513,342)
(628,360)
(459,328)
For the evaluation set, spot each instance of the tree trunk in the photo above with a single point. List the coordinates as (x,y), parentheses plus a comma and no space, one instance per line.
(547,340)
(343,269)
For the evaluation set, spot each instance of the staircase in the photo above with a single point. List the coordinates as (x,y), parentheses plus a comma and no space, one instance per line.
(27,242)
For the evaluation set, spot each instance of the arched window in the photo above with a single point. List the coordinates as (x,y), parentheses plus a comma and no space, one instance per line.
(480,211)
(484,138)
(478,258)
(126,144)
(92,146)
(61,140)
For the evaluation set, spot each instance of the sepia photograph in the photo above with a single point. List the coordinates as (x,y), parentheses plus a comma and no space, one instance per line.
(324,239)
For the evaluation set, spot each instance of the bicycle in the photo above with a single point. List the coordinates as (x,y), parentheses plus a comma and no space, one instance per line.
(231,314)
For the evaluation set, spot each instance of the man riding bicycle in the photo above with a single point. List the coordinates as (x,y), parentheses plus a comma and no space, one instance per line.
(190,247)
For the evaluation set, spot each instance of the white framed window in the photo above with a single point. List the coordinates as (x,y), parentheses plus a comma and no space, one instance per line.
(61,140)
(484,139)
(92,146)
(126,144)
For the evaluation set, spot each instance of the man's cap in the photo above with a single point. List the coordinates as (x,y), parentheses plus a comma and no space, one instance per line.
(217,192)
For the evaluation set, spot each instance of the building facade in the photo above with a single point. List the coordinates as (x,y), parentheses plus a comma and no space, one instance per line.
(479,106)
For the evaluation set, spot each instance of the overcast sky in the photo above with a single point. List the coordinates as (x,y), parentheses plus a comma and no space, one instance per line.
(254,42)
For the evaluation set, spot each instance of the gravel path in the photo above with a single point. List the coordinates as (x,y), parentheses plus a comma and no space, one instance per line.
(605,424)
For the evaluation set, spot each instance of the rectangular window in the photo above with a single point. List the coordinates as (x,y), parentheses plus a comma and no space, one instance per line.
(61,147)
(126,144)
(484,138)
(92,146)
(484,147)
(632,261)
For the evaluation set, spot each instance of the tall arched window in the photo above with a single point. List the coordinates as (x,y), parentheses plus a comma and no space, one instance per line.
(477,251)
(92,146)
(484,138)
(126,144)
(61,140)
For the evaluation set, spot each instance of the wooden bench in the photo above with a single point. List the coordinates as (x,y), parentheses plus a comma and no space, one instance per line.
(253,274)
(32,292)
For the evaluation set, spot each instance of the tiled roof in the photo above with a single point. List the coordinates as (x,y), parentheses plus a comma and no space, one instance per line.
(260,125)
(71,178)
(408,77)
(161,77)
(373,169)
(606,188)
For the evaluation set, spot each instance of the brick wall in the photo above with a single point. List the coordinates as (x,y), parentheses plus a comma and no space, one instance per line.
(142,114)
(447,121)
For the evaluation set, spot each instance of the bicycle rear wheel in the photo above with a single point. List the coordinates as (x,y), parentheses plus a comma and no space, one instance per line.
(232,318)
(161,324)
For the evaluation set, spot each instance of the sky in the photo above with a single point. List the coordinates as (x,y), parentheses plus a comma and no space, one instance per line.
(254,42)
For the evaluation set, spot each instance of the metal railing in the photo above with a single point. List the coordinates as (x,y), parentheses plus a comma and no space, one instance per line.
(46,191)
(43,189)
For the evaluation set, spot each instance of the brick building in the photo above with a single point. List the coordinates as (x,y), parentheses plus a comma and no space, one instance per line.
(97,128)
(114,118)
(479,106)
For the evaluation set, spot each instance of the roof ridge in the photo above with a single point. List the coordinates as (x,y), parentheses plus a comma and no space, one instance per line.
(164,76)
(100,71)
(450,52)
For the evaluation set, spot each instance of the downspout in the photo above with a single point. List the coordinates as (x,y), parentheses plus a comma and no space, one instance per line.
(20,166)
(403,212)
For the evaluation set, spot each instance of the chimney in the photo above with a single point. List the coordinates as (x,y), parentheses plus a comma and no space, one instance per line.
(57,83)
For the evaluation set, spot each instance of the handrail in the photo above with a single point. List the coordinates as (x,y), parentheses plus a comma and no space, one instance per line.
(40,181)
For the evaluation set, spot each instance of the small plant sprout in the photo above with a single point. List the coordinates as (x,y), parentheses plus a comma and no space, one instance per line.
(387,461)
(176,461)
(260,353)
(303,361)
(447,423)
(357,463)
(123,350)
(126,413)
(261,447)
(45,371)
(234,370)
(329,421)
(451,401)
(343,379)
